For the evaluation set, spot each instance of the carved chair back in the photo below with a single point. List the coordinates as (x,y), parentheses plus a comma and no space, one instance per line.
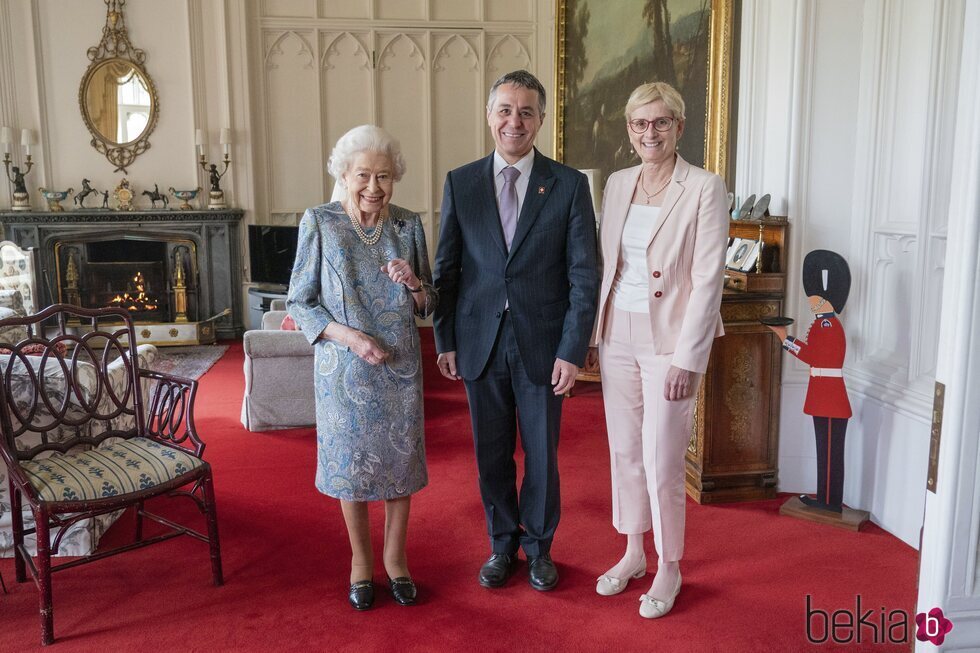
(74,379)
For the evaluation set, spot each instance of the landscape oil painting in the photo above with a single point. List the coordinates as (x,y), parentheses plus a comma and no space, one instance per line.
(609,47)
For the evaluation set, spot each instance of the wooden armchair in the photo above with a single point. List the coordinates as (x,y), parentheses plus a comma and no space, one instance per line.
(71,457)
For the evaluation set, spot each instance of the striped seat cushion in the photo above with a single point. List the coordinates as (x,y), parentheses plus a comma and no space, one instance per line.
(119,468)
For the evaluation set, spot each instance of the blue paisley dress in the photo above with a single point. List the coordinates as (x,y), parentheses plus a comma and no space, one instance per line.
(370,440)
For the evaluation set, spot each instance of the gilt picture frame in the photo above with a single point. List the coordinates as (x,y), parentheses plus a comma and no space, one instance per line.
(605,49)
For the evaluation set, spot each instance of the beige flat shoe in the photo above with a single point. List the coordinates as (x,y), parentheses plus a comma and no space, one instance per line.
(651,608)
(610,585)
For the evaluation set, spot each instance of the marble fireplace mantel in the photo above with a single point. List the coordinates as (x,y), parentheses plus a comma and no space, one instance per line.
(215,234)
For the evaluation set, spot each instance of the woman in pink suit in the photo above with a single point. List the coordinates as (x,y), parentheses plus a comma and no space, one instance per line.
(663,236)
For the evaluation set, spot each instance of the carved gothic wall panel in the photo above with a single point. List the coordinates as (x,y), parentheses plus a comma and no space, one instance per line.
(419,68)
(294,160)
(508,10)
(400,9)
(289,8)
(456,81)
(888,343)
(346,87)
(403,108)
(454,9)
(345,9)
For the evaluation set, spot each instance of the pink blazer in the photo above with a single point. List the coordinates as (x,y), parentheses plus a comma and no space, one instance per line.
(685,259)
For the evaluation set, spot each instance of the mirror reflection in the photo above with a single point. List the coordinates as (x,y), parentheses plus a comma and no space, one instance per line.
(117,101)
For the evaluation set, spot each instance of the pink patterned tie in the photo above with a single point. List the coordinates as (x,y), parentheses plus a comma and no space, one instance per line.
(508,203)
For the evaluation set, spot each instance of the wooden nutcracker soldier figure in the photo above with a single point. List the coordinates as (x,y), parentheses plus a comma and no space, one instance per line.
(826,282)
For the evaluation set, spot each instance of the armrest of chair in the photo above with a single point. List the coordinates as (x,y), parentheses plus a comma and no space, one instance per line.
(271,320)
(277,305)
(170,410)
(273,344)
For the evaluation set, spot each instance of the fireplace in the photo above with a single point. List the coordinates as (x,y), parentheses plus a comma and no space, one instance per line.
(186,264)
(155,278)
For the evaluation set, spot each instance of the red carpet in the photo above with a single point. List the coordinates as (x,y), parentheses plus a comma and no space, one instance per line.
(747,571)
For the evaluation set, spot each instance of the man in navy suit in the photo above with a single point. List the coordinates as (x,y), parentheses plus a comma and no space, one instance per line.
(518,283)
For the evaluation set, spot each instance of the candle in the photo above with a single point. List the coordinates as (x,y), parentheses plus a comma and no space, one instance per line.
(226,140)
(6,135)
(199,140)
(27,139)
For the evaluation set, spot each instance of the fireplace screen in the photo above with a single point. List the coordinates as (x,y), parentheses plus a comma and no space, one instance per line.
(138,287)
(152,279)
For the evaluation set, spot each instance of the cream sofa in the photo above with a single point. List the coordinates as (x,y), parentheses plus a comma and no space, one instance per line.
(278,376)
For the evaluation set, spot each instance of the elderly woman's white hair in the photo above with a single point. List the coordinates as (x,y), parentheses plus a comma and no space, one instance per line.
(364,138)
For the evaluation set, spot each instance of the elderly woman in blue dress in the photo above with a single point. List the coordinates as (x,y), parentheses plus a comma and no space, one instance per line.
(360,278)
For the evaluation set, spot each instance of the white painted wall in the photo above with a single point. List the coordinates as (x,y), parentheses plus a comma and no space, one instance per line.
(49,44)
(846,115)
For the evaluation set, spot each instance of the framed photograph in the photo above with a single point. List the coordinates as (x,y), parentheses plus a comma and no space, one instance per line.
(605,50)
(748,262)
(742,251)
(733,246)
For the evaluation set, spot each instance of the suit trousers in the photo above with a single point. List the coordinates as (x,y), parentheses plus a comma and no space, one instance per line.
(501,399)
(648,435)
(830,459)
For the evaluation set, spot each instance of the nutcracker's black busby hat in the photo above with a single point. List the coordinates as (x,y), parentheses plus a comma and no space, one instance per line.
(826,275)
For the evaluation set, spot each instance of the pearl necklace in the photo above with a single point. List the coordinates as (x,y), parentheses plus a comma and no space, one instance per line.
(359,230)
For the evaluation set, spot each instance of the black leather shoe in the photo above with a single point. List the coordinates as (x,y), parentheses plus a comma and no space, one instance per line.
(361,595)
(497,569)
(814,503)
(541,572)
(403,590)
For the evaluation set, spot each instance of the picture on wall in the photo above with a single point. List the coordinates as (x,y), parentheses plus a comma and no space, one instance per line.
(602,55)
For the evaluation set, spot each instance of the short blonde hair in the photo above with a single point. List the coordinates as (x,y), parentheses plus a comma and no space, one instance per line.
(365,138)
(653,91)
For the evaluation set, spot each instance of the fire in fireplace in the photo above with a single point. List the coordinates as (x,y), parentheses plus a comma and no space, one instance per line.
(136,300)
(154,279)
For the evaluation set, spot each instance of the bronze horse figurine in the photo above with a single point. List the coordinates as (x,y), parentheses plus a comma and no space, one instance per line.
(79,197)
(156,196)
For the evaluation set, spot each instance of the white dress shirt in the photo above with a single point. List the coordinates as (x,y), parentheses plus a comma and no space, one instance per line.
(523,166)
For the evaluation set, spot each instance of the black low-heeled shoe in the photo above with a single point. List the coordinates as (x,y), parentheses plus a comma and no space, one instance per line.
(361,595)
(403,590)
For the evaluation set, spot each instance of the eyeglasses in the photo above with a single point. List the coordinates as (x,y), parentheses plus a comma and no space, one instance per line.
(660,124)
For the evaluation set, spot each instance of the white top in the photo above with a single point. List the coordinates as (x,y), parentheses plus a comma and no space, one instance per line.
(631,287)
(523,166)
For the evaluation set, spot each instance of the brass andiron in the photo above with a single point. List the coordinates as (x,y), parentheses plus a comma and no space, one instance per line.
(180,288)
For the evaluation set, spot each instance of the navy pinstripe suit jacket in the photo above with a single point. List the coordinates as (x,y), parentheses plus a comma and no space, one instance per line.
(550,275)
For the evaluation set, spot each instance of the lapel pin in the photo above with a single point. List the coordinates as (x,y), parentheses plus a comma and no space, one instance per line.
(540,190)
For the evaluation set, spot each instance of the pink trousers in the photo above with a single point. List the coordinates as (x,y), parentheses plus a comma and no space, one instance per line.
(648,435)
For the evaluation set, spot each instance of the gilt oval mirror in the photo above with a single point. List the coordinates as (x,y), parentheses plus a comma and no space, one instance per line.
(117,98)
(119,102)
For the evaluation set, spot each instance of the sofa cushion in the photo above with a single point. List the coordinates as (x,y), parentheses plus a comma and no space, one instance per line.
(38,348)
(13,333)
(119,468)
